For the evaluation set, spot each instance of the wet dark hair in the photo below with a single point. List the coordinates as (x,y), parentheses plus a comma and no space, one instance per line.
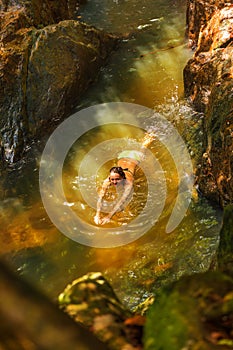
(118,170)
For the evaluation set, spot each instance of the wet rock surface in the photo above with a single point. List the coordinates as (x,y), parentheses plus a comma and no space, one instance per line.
(208,82)
(199,12)
(46,63)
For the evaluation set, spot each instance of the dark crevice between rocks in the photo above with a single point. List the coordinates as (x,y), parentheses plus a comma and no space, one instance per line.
(227,43)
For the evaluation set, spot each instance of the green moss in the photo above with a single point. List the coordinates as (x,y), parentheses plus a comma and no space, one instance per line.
(167,325)
(225,250)
(187,313)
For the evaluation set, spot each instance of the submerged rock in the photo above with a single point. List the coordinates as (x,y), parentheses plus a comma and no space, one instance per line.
(43,71)
(208,82)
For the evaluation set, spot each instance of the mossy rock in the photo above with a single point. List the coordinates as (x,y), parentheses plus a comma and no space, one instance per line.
(225,250)
(195,313)
(91,301)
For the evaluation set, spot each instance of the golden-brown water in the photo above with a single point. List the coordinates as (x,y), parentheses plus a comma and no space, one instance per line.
(147,70)
(74,183)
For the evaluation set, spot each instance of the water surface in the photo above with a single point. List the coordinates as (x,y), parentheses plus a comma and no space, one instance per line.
(146,70)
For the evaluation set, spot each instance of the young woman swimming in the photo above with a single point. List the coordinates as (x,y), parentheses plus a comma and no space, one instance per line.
(121,176)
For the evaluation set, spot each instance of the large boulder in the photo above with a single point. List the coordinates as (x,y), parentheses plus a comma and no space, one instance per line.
(198,14)
(43,71)
(208,82)
(42,12)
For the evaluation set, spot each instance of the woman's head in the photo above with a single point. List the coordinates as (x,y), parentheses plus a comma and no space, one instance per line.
(116,175)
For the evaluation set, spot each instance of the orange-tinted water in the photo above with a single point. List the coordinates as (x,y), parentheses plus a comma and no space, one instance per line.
(146,70)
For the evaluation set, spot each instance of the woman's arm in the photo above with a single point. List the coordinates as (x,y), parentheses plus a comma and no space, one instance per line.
(102,192)
(127,191)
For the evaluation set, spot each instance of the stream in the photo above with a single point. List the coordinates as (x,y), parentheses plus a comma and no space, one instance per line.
(146,70)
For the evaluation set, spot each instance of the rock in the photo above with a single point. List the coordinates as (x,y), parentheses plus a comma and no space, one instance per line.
(43,72)
(198,14)
(64,60)
(90,300)
(42,12)
(225,251)
(194,313)
(208,83)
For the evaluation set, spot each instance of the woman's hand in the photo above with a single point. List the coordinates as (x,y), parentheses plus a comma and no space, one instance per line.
(97,220)
(105,220)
